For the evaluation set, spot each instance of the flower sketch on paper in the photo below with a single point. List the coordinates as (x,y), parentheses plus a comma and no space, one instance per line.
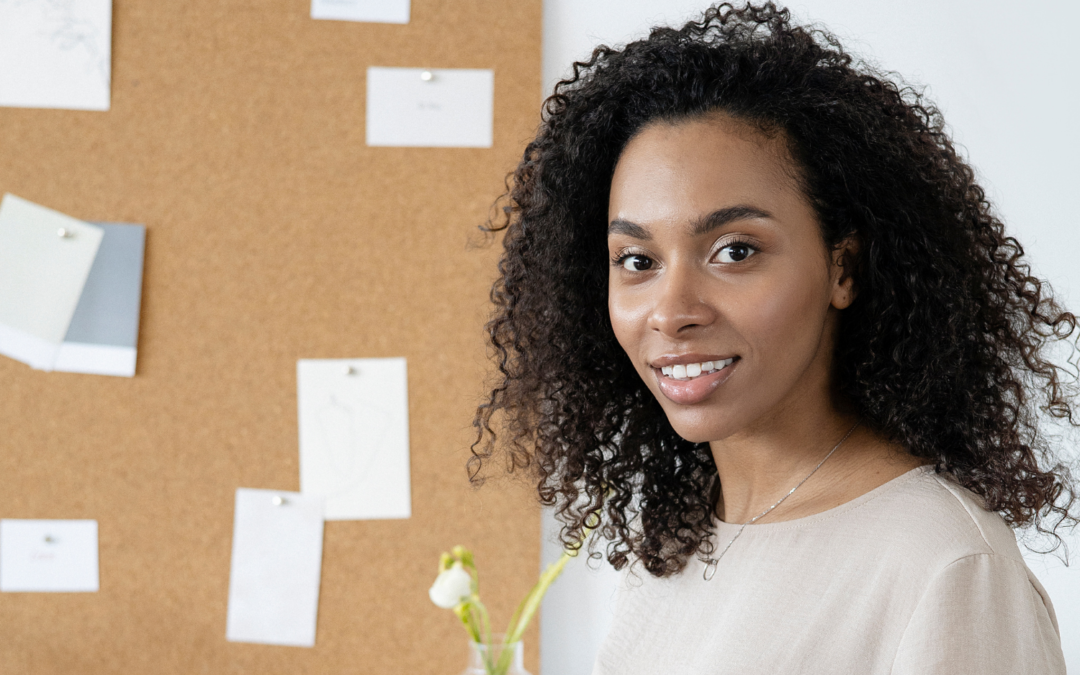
(55,53)
(351,438)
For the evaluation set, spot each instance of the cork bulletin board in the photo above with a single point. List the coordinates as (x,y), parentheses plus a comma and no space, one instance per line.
(236,135)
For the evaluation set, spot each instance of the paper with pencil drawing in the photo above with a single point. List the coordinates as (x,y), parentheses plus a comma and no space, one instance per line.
(354,436)
(55,53)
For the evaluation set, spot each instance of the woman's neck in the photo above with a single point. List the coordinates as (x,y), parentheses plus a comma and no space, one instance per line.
(759,466)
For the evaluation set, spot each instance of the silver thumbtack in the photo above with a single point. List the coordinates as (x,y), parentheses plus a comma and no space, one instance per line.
(349,370)
(278,500)
(64,233)
(427,76)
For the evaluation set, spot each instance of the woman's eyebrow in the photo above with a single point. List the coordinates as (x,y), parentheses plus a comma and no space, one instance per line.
(724,216)
(634,230)
(701,226)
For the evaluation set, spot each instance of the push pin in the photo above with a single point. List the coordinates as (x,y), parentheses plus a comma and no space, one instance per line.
(278,500)
(427,76)
(49,539)
(349,370)
(64,233)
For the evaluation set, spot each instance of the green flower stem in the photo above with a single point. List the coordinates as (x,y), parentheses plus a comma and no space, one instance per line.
(528,607)
(486,622)
(474,615)
(537,596)
(464,613)
(531,603)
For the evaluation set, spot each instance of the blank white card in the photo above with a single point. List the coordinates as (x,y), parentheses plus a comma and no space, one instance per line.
(437,107)
(377,11)
(48,556)
(276,564)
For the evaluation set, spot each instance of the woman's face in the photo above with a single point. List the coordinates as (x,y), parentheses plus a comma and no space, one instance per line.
(721,289)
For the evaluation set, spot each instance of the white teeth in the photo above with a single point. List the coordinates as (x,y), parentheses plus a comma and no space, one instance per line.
(691,370)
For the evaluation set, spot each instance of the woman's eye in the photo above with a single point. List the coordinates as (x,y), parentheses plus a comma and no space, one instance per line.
(637,263)
(733,253)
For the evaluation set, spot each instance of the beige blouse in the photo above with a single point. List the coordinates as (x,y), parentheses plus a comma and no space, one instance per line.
(912,578)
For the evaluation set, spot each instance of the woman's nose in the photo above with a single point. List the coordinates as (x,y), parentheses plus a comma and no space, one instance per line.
(679,305)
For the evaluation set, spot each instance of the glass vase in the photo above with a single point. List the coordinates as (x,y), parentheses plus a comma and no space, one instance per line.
(498,658)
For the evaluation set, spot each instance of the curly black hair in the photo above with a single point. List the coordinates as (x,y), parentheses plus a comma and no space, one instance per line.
(945,349)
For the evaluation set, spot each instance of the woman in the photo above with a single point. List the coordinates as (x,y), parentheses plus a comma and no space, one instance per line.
(757,323)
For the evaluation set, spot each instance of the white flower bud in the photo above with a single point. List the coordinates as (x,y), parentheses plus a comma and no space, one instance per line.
(451,587)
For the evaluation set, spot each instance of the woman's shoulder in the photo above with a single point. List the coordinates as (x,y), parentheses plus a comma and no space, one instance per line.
(931,513)
(970,555)
(909,577)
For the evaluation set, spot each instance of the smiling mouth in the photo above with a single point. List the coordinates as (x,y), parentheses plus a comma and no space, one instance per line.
(691,371)
(693,383)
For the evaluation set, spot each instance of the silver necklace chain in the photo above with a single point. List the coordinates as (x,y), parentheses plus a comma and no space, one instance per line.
(710,567)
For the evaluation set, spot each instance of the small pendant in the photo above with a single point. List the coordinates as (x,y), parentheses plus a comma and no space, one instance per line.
(710,569)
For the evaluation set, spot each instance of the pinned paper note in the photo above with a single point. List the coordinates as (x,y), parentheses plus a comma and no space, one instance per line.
(438,107)
(55,54)
(276,564)
(45,259)
(354,436)
(378,11)
(48,555)
(104,331)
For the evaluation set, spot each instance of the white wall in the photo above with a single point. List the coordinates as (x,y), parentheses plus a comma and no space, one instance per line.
(1006,79)
(577,609)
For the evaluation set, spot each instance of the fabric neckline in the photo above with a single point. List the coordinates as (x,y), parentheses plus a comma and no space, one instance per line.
(720,527)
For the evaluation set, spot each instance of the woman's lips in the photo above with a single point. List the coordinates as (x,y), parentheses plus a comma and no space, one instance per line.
(694,390)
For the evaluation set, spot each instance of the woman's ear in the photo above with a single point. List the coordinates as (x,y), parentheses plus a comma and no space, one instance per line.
(844,255)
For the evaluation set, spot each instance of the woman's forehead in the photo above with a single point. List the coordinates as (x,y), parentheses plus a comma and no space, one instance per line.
(679,171)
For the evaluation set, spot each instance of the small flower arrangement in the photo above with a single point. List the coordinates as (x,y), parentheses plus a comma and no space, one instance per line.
(457,588)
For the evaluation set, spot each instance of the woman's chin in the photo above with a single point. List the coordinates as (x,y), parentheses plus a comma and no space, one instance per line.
(697,430)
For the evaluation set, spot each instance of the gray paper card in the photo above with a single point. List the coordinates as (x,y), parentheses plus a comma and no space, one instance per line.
(104,331)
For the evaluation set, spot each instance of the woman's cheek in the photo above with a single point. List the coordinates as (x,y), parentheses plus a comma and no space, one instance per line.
(781,318)
(622,315)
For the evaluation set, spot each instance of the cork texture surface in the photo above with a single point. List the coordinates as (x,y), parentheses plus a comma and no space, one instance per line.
(236,135)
